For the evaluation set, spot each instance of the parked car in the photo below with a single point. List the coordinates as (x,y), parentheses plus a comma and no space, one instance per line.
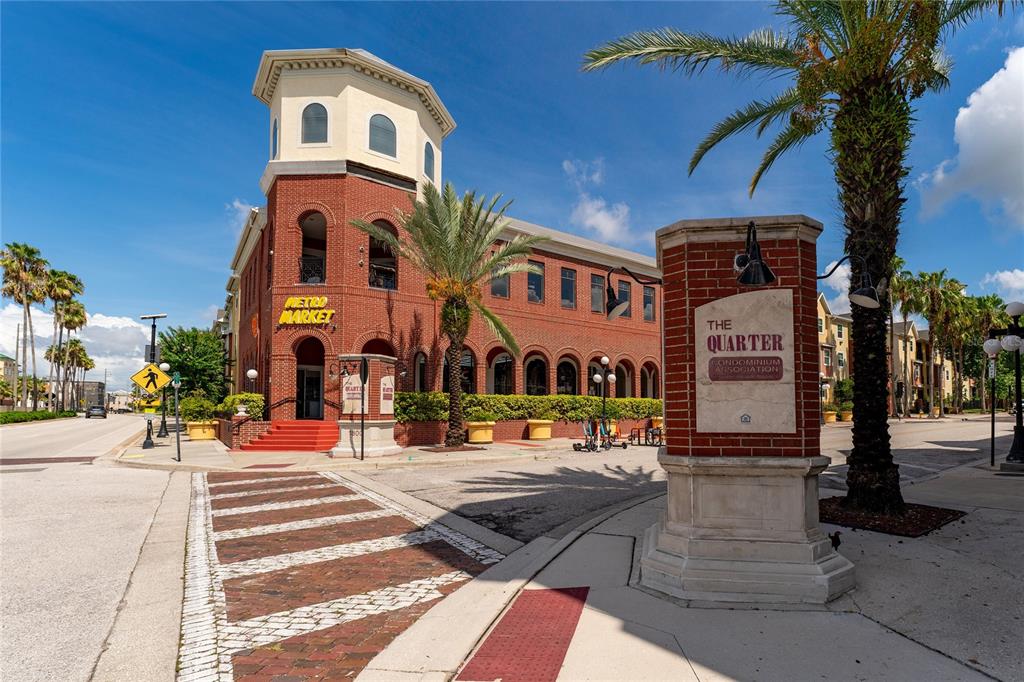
(96,411)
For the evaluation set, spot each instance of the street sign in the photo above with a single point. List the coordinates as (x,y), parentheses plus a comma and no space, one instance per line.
(176,380)
(150,378)
(147,403)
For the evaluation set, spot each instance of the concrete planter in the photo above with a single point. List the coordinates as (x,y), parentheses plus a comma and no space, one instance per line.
(206,430)
(480,432)
(830,417)
(846,416)
(540,429)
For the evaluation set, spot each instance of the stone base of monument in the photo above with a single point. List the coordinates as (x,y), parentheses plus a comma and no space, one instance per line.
(743,530)
(380,439)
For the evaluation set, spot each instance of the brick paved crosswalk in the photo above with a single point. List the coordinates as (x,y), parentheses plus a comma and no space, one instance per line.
(307,576)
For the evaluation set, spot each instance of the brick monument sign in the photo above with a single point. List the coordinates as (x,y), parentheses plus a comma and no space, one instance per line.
(742,420)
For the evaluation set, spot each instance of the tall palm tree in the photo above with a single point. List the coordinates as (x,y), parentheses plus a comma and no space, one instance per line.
(989,313)
(853,69)
(24,274)
(61,287)
(73,318)
(452,241)
(904,291)
(937,295)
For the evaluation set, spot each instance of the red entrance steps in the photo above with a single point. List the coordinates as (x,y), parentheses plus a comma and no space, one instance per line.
(302,435)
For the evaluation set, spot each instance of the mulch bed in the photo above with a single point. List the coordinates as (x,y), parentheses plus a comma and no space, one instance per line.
(919,519)
(460,448)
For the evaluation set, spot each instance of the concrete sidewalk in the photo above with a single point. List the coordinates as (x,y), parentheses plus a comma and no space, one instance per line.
(947,606)
(213,455)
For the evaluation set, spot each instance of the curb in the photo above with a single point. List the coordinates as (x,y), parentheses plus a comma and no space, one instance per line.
(433,649)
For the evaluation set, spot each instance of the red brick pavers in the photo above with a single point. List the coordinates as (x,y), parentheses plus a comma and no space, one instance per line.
(296,577)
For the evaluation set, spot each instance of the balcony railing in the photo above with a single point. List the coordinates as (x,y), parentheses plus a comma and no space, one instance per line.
(311,269)
(383,277)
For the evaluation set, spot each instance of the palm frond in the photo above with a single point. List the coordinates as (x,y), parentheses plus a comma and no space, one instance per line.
(822,20)
(958,14)
(498,328)
(788,138)
(761,51)
(758,111)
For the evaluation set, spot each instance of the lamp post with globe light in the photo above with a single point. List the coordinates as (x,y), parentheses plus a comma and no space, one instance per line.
(162,433)
(604,377)
(251,375)
(1009,339)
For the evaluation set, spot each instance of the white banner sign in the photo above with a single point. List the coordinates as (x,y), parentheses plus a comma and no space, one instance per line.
(353,392)
(387,394)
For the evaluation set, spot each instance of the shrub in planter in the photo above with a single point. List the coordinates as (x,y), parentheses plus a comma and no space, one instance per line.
(480,424)
(478,415)
(846,411)
(197,413)
(254,404)
(830,410)
(433,406)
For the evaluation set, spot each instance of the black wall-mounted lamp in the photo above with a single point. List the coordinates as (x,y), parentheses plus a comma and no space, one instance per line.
(866,296)
(754,272)
(614,307)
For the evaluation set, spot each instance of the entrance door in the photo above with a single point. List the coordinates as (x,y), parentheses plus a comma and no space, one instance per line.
(309,402)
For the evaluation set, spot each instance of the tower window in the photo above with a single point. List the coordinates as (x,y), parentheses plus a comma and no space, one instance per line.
(428,161)
(314,124)
(273,142)
(382,135)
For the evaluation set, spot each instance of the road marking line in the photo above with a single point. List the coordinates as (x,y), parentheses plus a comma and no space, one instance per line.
(269,491)
(300,525)
(275,627)
(467,545)
(263,480)
(278,562)
(293,504)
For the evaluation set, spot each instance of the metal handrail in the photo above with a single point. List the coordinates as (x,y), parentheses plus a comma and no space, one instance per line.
(263,417)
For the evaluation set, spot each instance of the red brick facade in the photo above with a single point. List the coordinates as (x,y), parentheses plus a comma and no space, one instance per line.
(698,271)
(405,318)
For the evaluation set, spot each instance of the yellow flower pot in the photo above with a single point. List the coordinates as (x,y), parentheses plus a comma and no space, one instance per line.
(846,416)
(540,429)
(202,430)
(656,422)
(830,417)
(935,411)
(480,432)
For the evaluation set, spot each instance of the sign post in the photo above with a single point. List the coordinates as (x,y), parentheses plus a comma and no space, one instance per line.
(176,383)
(150,379)
(364,376)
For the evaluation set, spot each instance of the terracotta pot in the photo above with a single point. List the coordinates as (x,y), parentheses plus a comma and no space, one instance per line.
(846,416)
(481,432)
(202,430)
(830,417)
(540,429)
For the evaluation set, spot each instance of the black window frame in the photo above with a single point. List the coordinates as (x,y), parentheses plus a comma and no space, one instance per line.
(626,287)
(598,282)
(654,303)
(529,278)
(562,281)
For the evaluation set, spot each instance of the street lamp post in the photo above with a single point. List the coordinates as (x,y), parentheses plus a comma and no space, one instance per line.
(1011,342)
(148,443)
(251,375)
(603,378)
(162,433)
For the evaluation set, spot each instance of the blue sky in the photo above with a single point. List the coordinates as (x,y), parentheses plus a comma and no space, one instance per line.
(130,137)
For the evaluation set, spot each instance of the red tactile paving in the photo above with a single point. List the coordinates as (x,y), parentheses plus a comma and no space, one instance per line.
(289,496)
(253,547)
(314,511)
(530,641)
(289,588)
(225,476)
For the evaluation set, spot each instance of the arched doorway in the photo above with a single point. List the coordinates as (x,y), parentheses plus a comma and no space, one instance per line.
(309,379)
(500,368)
(624,379)
(567,376)
(535,379)
(649,381)
(378,347)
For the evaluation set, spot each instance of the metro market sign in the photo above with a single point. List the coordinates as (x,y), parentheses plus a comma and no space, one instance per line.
(306,310)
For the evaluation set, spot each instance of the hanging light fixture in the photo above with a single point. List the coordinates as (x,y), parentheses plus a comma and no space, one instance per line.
(755,272)
(866,295)
(615,306)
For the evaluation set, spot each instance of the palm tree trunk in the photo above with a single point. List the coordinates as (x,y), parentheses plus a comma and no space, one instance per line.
(942,382)
(51,404)
(869,139)
(454,436)
(32,332)
(893,378)
(24,350)
(60,362)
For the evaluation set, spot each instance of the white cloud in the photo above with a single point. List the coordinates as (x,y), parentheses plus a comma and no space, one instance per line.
(594,215)
(238,213)
(1008,283)
(839,282)
(115,343)
(989,165)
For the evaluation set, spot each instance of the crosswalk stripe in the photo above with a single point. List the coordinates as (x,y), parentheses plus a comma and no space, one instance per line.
(275,627)
(244,481)
(291,504)
(300,525)
(278,562)
(270,491)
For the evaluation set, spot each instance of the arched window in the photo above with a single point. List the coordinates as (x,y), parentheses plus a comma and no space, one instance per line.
(383,264)
(382,135)
(378,347)
(649,381)
(623,381)
(273,142)
(419,373)
(312,263)
(594,388)
(468,363)
(428,161)
(500,379)
(536,371)
(567,378)
(314,124)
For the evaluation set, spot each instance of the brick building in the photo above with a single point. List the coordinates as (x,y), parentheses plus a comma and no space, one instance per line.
(353,137)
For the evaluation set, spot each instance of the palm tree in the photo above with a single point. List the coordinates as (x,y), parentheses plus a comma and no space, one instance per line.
(452,241)
(73,318)
(989,313)
(61,287)
(938,294)
(24,273)
(903,290)
(854,69)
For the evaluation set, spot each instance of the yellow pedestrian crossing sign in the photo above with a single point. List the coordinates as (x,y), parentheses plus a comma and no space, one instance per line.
(150,378)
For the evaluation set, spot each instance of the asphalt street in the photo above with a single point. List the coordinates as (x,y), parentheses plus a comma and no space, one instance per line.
(529,499)
(71,537)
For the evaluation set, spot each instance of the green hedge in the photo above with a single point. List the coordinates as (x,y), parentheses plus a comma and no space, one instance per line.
(38,415)
(426,407)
